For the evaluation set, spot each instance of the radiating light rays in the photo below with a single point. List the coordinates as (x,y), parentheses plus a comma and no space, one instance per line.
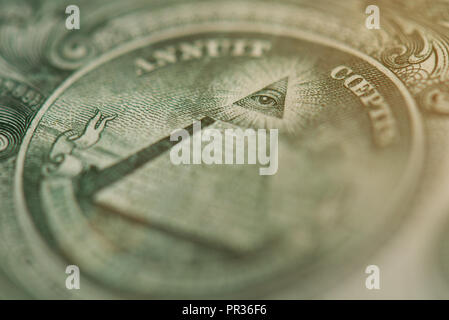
(224,98)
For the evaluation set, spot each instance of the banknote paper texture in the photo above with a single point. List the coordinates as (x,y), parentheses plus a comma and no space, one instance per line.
(86,170)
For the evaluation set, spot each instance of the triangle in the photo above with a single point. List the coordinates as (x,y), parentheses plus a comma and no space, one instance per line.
(270,100)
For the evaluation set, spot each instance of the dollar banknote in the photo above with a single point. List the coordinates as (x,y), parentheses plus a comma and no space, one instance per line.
(92,205)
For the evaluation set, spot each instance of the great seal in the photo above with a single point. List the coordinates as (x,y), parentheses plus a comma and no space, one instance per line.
(333,179)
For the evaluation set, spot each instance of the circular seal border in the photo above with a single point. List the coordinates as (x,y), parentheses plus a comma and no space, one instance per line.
(412,170)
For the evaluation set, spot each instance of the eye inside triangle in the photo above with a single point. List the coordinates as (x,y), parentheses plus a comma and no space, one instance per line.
(270,100)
